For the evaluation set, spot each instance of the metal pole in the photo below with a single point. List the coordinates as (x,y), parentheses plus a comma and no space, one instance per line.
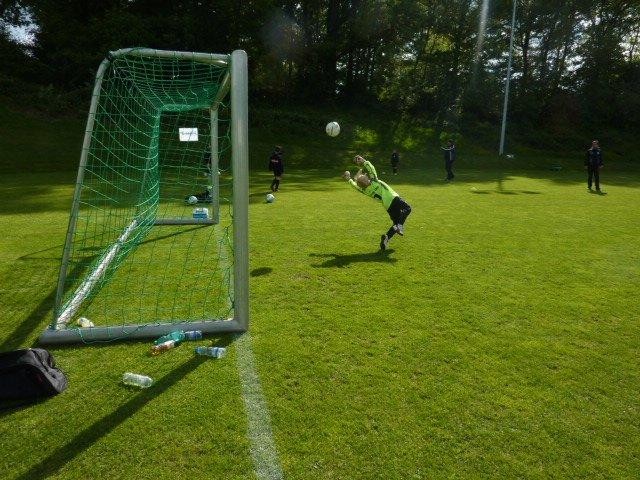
(133,331)
(506,90)
(214,163)
(212,58)
(75,207)
(240,163)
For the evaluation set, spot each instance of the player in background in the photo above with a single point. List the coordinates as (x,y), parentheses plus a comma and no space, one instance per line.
(367,182)
(276,165)
(395,160)
(593,163)
(449,158)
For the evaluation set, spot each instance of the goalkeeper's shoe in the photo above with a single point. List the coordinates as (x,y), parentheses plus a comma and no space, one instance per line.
(384,242)
(399,228)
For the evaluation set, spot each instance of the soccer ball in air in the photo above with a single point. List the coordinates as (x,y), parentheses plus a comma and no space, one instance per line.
(333,129)
(192,200)
(270,198)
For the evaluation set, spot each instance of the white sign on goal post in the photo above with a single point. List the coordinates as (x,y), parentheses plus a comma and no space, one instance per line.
(188,134)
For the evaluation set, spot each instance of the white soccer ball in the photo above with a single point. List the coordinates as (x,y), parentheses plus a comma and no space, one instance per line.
(270,198)
(333,129)
(192,200)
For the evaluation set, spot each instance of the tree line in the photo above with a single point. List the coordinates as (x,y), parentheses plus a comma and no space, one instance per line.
(575,62)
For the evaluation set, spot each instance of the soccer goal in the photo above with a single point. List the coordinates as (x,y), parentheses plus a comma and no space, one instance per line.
(158,232)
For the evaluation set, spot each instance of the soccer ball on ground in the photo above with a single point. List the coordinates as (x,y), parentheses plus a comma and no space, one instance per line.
(192,200)
(333,129)
(270,198)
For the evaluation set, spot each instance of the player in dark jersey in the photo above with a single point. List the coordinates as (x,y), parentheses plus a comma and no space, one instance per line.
(276,165)
(593,163)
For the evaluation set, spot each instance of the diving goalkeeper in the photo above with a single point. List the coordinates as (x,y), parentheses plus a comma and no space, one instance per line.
(367,182)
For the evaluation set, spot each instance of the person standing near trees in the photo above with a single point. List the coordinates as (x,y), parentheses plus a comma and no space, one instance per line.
(449,158)
(276,165)
(593,164)
(395,160)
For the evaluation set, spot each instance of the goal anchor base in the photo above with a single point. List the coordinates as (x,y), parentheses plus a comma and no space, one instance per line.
(130,332)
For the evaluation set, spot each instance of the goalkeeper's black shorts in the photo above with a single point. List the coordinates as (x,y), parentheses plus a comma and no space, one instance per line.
(399,210)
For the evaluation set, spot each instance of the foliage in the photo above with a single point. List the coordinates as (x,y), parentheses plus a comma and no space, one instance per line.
(575,63)
(36,142)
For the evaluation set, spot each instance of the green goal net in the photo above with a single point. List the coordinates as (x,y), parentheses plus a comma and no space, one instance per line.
(157,236)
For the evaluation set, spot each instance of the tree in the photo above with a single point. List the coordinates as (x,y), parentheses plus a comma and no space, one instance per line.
(574,62)
(601,72)
(16,63)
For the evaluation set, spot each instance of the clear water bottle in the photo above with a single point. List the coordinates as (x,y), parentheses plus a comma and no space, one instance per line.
(214,352)
(193,335)
(162,347)
(137,380)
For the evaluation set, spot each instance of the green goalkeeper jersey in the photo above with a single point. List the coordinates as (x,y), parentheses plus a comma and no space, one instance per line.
(378,190)
(370,170)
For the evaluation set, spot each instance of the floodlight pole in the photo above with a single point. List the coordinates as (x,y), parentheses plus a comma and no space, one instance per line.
(506,89)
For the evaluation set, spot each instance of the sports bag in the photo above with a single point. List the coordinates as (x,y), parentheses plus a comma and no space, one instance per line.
(29,375)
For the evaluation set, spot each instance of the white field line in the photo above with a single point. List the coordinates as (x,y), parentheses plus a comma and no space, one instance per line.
(263,449)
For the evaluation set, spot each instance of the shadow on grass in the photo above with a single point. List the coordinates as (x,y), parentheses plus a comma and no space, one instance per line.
(258,272)
(505,192)
(34,255)
(90,435)
(37,316)
(156,238)
(259,197)
(28,193)
(338,260)
(7,407)
(35,319)
(493,179)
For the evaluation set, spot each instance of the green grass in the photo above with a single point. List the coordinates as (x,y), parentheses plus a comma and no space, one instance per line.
(498,338)
(33,143)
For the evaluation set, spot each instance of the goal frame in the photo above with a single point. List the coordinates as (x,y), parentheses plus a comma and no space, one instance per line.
(234,84)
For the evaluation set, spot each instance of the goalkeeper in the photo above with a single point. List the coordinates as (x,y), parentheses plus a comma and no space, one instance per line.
(367,182)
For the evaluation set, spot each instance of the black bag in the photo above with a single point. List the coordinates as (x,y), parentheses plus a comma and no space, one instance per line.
(29,375)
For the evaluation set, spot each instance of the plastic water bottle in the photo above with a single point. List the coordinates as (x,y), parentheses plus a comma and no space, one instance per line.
(214,352)
(193,335)
(137,380)
(177,336)
(163,347)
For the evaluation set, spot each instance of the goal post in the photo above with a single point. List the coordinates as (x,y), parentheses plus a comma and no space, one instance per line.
(157,239)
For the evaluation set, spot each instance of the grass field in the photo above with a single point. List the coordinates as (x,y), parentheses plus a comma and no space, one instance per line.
(499,338)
